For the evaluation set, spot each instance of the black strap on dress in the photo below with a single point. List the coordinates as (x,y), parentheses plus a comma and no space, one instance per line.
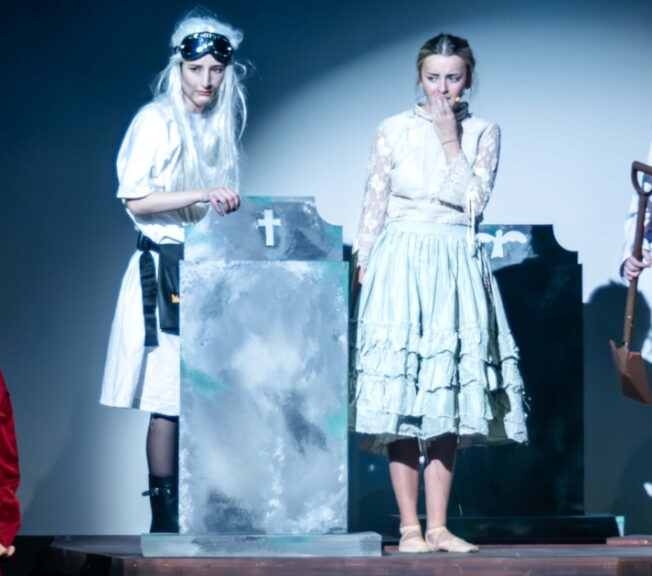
(165,292)
(148,287)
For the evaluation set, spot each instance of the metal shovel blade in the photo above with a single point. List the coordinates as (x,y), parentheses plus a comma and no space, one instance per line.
(633,379)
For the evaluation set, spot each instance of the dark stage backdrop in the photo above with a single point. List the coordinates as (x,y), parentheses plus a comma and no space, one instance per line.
(568,82)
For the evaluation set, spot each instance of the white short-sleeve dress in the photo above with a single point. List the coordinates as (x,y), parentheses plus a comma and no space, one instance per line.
(434,354)
(136,376)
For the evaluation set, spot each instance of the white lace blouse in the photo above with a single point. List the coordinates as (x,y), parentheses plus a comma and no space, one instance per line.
(409,179)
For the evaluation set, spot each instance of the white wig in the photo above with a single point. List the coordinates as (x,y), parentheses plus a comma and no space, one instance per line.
(209,156)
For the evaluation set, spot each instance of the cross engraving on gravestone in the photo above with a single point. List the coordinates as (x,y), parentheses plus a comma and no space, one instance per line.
(268,222)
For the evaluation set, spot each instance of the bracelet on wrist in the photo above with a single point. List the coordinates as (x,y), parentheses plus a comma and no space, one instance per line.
(449,141)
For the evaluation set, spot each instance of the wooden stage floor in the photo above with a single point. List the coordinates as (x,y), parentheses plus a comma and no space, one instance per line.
(120,555)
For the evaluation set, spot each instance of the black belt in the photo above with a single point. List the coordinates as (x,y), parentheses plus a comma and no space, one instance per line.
(165,292)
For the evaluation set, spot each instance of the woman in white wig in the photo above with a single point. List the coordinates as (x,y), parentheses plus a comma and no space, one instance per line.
(178,160)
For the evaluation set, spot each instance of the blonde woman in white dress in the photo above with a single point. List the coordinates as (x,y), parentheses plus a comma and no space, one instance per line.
(436,365)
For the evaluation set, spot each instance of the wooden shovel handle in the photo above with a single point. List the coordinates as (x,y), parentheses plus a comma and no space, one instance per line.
(637,251)
(636,168)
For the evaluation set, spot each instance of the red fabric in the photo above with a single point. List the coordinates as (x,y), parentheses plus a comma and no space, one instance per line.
(9,471)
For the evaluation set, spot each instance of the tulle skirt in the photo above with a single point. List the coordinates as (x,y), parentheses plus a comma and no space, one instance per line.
(434,354)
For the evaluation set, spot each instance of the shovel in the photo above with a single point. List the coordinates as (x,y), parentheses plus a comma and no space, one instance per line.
(633,379)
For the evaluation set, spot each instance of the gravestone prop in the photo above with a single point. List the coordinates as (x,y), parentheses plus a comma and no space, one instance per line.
(263,428)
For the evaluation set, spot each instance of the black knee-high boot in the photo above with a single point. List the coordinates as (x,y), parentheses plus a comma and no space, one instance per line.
(164,500)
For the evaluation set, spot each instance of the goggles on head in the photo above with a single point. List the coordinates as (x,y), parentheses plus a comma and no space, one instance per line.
(197,45)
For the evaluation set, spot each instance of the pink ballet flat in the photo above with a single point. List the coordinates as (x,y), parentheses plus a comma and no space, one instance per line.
(411,540)
(452,543)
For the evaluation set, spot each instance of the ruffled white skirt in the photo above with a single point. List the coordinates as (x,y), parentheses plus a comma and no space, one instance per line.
(434,354)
